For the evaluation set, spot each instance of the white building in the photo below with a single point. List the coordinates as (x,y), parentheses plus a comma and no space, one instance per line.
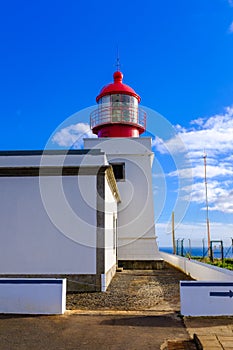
(75,214)
(58,213)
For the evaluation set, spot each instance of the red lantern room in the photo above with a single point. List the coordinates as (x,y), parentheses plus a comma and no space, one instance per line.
(118,114)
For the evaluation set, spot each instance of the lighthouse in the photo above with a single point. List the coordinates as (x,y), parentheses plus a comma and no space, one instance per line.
(118,114)
(118,121)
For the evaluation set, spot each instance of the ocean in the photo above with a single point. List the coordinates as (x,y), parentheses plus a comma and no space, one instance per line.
(199,251)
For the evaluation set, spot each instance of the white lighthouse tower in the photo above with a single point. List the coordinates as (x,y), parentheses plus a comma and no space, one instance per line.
(118,122)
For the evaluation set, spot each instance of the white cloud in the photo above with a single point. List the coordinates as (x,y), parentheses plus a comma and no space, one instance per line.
(190,230)
(215,136)
(181,173)
(229,159)
(72,135)
(198,172)
(230,2)
(231,28)
(159,145)
(220,195)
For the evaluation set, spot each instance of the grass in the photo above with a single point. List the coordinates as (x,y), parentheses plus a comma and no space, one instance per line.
(226,263)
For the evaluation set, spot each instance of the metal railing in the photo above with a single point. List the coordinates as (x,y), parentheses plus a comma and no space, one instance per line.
(118,114)
(219,249)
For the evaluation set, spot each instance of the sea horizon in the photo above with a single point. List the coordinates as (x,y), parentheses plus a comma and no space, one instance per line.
(200,251)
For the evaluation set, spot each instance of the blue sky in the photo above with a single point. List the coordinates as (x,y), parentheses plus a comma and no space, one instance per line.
(56,55)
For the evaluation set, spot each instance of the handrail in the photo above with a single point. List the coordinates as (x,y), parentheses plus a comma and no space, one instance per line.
(118,114)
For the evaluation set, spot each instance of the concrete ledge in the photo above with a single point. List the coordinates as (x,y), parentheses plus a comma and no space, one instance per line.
(141,264)
(32,296)
(197,270)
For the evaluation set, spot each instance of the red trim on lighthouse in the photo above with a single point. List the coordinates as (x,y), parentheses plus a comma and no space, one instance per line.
(117,130)
(117,88)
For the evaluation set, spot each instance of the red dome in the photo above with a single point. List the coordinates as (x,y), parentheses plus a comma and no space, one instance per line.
(117,88)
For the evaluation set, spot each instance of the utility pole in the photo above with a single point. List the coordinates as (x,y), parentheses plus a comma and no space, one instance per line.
(173,233)
(207,208)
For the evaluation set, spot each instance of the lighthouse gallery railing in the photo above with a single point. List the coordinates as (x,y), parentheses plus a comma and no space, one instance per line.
(119,114)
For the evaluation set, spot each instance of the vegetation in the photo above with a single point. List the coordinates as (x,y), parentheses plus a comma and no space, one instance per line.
(226,263)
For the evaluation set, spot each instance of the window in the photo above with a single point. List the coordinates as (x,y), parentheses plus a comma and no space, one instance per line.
(122,99)
(104,100)
(119,171)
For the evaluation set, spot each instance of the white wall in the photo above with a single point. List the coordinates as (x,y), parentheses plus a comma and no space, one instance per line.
(32,296)
(198,270)
(136,211)
(110,237)
(136,231)
(58,239)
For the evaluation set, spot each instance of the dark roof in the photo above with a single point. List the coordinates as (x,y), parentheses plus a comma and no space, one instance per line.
(51,152)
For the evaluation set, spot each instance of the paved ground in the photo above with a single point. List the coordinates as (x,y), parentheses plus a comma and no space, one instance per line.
(140,310)
(214,333)
(75,331)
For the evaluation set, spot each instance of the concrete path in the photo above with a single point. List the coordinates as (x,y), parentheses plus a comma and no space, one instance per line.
(212,333)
